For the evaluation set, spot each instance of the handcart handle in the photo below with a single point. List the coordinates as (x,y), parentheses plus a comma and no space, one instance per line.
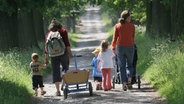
(77,55)
(76,60)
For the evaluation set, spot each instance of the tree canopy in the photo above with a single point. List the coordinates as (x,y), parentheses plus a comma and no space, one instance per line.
(24,22)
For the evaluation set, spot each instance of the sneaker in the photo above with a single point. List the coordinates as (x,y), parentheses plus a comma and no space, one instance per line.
(124,86)
(58,93)
(43,92)
(97,87)
(100,88)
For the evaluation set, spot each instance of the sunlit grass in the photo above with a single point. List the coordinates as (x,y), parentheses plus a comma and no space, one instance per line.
(15,78)
(161,63)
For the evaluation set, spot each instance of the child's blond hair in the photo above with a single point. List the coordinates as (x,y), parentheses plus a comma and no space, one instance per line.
(34,56)
(104,45)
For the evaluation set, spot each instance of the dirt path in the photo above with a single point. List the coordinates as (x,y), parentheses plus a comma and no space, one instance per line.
(92,33)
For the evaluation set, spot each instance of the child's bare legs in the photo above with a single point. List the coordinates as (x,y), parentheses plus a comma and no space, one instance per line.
(109,86)
(104,79)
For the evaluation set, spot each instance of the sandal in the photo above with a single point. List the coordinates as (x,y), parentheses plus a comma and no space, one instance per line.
(97,87)
(43,92)
(100,87)
(58,93)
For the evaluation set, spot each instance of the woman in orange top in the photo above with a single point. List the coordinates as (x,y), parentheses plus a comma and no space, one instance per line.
(123,46)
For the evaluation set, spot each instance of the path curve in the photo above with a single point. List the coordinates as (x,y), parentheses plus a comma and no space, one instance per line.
(92,30)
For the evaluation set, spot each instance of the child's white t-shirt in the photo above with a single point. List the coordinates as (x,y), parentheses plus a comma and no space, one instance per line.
(106,59)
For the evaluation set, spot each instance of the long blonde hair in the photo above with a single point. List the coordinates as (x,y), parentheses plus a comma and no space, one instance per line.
(104,45)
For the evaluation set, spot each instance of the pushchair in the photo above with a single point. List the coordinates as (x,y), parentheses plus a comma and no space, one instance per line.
(76,80)
(135,79)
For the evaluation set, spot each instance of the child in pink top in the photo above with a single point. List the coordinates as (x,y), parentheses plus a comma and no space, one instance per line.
(105,64)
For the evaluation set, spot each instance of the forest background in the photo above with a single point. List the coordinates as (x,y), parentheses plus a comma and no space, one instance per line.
(159,37)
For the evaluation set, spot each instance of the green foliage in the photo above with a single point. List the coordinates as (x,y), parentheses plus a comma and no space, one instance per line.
(166,2)
(166,70)
(62,9)
(115,7)
(161,63)
(8,6)
(15,77)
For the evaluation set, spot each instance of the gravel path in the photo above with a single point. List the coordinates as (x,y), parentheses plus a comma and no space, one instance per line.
(93,32)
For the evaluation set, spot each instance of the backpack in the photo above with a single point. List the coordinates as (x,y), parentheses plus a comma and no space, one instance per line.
(54,44)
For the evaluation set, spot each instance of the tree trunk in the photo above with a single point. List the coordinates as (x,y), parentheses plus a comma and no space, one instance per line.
(149,16)
(180,18)
(46,23)
(27,35)
(173,19)
(164,24)
(38,25)
(8,26)
(155,17)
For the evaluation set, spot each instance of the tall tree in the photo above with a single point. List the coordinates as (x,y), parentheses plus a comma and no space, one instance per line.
(155,17)
(149,16)
(164,20)
(38,25)
(26,30)
(8,24)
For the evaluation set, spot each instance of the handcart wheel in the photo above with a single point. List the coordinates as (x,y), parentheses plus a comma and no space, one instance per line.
(65,92)
(113,82)
(139,82)
(90,89)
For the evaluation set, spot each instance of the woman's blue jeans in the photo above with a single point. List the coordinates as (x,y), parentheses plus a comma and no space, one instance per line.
(125,54)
